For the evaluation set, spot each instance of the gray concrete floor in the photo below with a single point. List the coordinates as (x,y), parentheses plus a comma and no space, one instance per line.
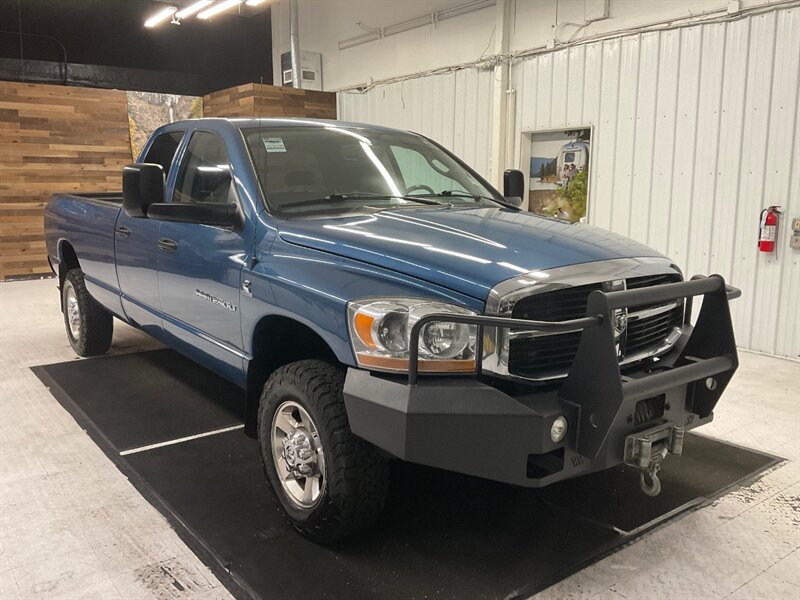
(72,526)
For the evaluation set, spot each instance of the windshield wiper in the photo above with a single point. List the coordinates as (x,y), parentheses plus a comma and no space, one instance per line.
(455,194)
(475,197)
(337,198)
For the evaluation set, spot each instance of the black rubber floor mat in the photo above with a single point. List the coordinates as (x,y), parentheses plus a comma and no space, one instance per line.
(147,397)
(442,534)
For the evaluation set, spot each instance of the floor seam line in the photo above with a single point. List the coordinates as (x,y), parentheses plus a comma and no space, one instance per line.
(187,438)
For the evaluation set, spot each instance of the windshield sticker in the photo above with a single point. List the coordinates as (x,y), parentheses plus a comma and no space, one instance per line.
(274,144)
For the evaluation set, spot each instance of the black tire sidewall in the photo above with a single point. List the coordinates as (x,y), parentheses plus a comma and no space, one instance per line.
(278,395)
(97,325)
(79,343)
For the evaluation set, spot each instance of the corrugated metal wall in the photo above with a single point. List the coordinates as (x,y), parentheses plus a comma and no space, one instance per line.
(695,131)
(455,109)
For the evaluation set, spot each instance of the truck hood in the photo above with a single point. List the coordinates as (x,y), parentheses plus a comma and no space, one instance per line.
(469,250)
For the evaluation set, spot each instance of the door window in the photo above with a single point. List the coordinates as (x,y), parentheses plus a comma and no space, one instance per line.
(162,150)
(205,174)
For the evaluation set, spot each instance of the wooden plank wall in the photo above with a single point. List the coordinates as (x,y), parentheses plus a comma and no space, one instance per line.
(256,100)
(70,139)
(53,139)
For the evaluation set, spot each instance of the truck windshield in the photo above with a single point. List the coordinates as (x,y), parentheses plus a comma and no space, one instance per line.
(308,170)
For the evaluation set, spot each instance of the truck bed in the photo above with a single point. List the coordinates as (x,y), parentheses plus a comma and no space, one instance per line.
(114,198)
(85,224)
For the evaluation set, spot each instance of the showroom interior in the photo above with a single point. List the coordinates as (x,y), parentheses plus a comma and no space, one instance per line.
(399,299)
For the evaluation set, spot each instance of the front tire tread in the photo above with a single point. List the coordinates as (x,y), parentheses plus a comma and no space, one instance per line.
(358,475)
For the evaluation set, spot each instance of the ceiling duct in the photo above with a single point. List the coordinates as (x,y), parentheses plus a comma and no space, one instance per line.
(430,18)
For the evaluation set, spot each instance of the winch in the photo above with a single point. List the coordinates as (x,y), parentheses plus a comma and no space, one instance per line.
(647,449)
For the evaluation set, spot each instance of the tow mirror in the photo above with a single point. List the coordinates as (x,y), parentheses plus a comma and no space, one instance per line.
(142,185)
(202,213)
(514,186)
(212,182)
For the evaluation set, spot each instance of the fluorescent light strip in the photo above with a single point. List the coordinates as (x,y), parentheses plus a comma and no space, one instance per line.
(160,17)
(254,2)
(218,8)
(193,8)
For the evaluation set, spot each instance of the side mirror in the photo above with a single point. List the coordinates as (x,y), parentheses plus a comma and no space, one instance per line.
(212,184)
(514,186)
(201,213)
(142,185)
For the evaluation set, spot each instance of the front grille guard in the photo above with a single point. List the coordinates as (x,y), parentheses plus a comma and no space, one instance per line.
(705,362)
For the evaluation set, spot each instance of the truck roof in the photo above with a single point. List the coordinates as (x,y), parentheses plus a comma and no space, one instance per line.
(273,122)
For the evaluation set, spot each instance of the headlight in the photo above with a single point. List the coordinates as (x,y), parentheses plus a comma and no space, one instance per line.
(380,331)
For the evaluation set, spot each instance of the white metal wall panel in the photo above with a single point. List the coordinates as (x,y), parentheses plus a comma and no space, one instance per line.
(694,131)
(455,109)
(779,174)
(644,140)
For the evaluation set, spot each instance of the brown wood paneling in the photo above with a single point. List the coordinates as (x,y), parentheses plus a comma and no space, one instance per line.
(256,100)
(53,139)
(71,139)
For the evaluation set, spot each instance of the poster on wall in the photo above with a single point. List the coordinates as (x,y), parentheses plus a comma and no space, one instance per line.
(147,111)
(559,173)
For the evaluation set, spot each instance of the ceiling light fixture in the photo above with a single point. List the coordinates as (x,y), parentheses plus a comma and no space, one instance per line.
(254,2)
(160,17)
(218,8)
(193,8)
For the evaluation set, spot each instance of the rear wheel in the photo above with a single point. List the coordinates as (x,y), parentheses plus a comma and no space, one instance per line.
(89,326)
(327,482)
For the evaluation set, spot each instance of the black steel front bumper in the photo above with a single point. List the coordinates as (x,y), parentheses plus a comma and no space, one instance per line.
(467,425)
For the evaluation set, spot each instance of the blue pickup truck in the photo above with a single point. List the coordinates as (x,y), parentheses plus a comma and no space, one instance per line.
(375,298)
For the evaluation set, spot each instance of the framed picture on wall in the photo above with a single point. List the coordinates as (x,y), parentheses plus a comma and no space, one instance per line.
(558,168)
(147,111)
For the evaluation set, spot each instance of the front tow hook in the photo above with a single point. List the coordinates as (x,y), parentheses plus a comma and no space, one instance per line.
(653,487)
(647,449)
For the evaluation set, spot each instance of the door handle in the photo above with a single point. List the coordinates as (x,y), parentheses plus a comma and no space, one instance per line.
(123,231)
(167,245)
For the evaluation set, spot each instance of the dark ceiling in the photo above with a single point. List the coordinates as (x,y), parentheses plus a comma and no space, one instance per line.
(228,50)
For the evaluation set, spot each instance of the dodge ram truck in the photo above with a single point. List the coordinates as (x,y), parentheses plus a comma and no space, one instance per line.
(376,298)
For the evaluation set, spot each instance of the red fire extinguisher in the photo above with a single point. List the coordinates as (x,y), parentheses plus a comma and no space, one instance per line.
(768,228)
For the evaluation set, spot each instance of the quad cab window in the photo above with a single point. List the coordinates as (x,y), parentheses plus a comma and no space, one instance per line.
(162,150)
(205,175)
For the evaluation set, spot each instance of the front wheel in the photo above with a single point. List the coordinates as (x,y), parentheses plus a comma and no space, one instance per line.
(89,327)
(327,482)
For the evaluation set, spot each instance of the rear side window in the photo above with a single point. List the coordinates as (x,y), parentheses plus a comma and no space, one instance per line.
(162,151)
(205,174)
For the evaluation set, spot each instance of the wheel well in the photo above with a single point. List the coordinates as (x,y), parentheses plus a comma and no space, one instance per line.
(69,260)
(278,341)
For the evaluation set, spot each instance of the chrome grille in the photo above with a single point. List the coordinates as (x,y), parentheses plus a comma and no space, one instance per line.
(550,356)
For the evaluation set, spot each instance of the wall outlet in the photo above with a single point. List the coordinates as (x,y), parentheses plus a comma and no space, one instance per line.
(796,224)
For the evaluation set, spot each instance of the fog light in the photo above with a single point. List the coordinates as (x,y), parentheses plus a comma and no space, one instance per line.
(558,429)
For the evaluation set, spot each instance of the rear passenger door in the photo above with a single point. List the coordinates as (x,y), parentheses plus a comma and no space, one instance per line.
(200,266)
(136,247)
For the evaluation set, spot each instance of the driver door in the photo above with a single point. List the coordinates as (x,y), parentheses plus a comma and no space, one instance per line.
(200,266)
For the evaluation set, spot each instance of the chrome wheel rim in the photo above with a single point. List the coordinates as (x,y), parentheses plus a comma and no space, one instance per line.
(298,455)
(72,311)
